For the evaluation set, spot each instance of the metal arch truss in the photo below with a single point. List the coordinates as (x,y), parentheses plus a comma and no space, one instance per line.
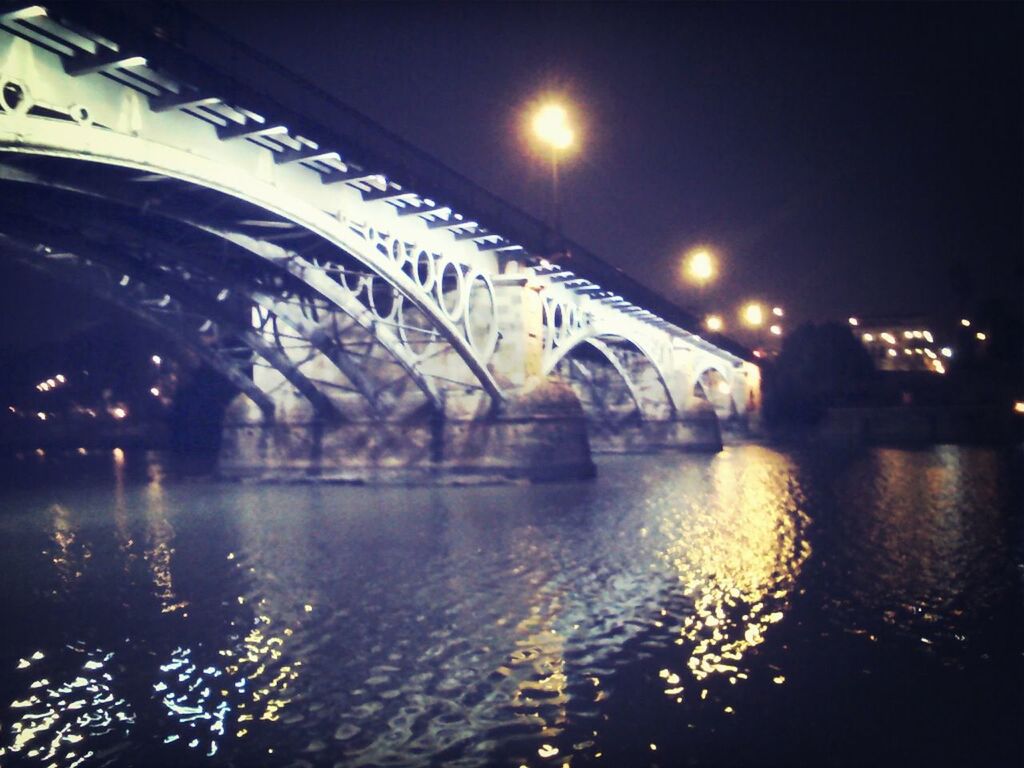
(379,276)
(154,308)
(416,288)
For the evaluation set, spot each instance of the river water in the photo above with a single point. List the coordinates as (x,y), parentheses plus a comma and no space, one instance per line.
(756,607)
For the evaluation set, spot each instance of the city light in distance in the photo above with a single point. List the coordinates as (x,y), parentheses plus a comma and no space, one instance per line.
(965,323)
(777,311)
(853,321)
(156,359)
(946,351)
(888,338)
(714,323)
(118,412)
(1018,406)
(891,352)
(868,337)
(980,336)
(776,330)
(154,392)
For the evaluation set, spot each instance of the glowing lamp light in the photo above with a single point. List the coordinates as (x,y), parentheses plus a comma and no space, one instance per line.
(551,126)
(1018,406)
(946,352)
(980,336)
(753,315)
(118,412)
(156,359)
(868,337)
(928,337)
(776,330)
(908,334)
(888,338)
(777,311)
(700,266)
(714,323)
(891,352)
(154,392)
(41,416)
(965,323)
(60,378)
(723,388)
(853,321)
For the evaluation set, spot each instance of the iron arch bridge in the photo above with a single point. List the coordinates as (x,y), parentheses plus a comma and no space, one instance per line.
(376,314)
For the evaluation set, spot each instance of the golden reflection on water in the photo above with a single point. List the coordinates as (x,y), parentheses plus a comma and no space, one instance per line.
(737,553)
(68,558)
(160,547)
(538,662)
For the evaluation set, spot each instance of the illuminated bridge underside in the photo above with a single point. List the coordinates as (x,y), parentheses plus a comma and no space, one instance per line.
(370,331)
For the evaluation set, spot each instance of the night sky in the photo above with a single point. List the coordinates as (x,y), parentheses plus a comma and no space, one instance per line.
(839,158)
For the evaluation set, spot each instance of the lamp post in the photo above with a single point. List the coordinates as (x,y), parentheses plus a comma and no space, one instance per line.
(551,127)
(752,314)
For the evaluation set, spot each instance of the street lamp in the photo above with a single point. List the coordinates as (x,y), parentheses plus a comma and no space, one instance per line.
(714,323)
(700,266)
(551,127)
(753,314)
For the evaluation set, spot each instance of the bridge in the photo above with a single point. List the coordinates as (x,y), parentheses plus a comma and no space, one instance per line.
(380,316)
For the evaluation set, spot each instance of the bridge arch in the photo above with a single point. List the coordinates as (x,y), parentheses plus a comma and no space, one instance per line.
(269,255)
(652,397)
(383,256)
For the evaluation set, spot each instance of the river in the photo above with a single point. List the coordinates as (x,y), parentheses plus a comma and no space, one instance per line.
(760,606)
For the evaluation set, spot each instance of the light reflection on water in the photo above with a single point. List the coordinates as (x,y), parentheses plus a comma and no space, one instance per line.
(645,613)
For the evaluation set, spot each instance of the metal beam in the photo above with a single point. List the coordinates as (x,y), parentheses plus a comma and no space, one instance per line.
(191,342)
(391,193)
(352,174)
(247,130)
(86,63)
(306,153)
(451,223)
(423,210)
(169,102)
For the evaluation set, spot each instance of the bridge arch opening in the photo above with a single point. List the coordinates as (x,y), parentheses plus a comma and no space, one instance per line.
(713,386)
(615,380)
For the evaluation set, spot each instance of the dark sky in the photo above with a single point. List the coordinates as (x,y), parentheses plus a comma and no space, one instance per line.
(839,157)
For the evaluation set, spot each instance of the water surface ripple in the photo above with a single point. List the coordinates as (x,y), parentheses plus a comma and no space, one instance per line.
(757,607)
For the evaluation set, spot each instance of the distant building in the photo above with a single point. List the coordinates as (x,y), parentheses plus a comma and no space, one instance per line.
(901,343)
